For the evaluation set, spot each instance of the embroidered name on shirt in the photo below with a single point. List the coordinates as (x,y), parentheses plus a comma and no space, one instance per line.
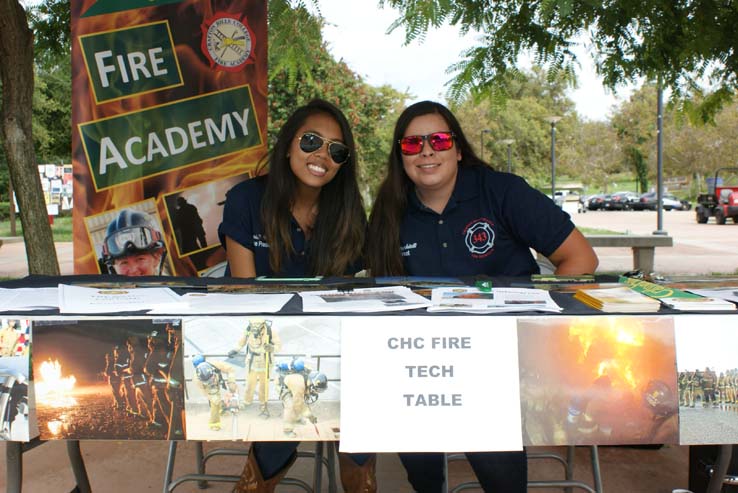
(259,241)
(479,237)
(405,249)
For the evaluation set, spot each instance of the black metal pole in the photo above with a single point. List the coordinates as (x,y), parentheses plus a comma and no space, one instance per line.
(553,161)
(659,161)
(509,158)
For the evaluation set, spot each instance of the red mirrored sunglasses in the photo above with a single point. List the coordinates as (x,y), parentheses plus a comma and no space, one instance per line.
(439,141)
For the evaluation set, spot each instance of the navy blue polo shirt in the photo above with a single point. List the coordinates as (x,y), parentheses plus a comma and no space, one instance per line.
(242,223)
(488,227)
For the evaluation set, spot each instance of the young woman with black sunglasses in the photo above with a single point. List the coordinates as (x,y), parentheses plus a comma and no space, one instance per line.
(304,218)
(441,211)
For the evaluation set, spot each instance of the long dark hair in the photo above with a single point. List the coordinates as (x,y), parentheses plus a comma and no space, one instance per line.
(338,234)
(383,255)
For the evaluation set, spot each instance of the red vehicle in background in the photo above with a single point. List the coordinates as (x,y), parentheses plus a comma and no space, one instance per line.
(723,201)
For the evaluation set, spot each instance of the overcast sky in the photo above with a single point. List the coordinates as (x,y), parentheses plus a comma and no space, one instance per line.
(357,34)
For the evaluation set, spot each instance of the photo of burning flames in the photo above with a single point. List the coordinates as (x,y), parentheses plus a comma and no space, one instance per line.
(109,379)
(598,380)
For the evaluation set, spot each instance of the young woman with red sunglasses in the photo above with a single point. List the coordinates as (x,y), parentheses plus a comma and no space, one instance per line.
(441,211)
(304,218)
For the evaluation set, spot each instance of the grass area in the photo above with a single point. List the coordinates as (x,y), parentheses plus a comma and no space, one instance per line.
(597,231)
(61,229)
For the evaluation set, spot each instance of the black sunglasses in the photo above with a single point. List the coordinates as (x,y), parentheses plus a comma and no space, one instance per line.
(310,142)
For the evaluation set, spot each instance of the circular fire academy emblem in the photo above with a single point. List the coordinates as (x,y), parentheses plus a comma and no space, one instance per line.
(227,41)
(479,237)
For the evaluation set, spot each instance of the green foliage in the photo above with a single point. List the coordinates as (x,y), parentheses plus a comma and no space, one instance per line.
(52,113)
(51,21)
(675,41)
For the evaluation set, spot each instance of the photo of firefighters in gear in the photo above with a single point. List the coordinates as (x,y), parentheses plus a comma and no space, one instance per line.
(598,380)
(262,378)
(217,380)
(260,343)
(708,379)
(109,379)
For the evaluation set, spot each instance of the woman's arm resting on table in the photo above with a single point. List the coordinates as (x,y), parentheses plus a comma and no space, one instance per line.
(574,256)
(240,259)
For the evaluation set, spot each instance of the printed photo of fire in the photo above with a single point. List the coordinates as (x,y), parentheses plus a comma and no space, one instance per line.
(109,379)
(708,379)
(598,380)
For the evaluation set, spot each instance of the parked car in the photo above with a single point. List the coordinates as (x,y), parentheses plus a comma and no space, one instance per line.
(670,202)
(596,202)
(621,201)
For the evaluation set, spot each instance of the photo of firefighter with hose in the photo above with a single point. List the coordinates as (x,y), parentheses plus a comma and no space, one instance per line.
(262,379)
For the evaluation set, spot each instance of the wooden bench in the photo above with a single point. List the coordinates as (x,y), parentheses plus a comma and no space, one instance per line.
(643,247)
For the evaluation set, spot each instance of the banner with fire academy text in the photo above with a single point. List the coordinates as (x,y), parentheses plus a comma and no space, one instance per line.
(169,113)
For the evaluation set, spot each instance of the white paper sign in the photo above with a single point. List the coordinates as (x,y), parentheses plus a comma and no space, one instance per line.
(429,384)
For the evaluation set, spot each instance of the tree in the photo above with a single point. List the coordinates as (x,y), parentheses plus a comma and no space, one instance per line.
(16,75)
(676,42)
(531,97)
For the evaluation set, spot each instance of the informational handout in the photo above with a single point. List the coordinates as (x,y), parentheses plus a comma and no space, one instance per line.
(206,303)
(494,300)
(387,299)
(22,299)
(78,299)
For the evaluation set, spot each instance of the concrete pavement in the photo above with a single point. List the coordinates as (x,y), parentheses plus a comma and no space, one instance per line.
(699,249)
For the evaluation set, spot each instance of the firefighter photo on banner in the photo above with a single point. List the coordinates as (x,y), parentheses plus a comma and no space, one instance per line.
(15,343)
(597,380)
(109,379)
(262,378)
(708,379)
(169,111)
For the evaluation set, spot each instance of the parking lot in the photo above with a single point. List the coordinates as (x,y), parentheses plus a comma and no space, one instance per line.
(698,248)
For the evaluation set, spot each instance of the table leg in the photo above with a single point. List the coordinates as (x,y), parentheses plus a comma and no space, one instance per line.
(720,469)
(78,466)
(14,463)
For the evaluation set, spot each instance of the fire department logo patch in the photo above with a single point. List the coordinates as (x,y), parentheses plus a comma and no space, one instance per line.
(227,41)
(479,237)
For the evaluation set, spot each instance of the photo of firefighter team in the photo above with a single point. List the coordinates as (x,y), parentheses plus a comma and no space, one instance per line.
(15,340)
(262,379)
(109,379)
(598,380)
(708,380)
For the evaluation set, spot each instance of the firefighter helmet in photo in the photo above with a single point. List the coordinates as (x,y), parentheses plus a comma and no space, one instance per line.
(131,233)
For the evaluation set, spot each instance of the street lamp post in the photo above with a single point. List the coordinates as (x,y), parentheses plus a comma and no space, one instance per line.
(553,120)
(508,143)
(481,142)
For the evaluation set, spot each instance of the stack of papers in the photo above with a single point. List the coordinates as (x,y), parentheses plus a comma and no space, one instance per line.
(22,299)
(727,294)
(496,300)
(617,300)
(363,300)
(204,303)
(679,299)
(78,299)
(698,304)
